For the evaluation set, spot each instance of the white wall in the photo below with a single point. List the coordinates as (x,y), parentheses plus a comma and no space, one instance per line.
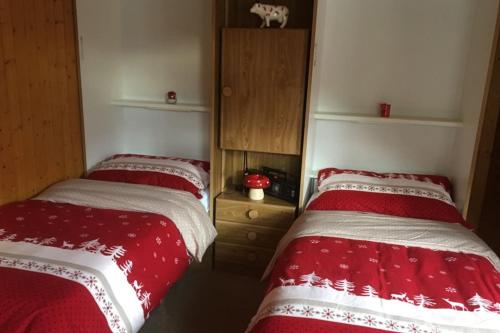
(167,133)
(99,63)
(166,46)
(474,89)
(384,148)
(412,54)
(139,50)
(409,53)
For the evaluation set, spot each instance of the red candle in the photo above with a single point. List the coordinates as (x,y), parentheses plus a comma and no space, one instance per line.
(385,110)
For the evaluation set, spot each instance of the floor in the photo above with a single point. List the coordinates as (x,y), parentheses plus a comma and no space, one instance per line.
(204,300)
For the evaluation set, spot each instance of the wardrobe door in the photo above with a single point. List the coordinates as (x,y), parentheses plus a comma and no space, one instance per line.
(40,129)
(489,222)
(489,225)
(263,81)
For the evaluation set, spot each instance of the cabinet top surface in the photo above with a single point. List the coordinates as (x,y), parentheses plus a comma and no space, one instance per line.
(239,197)
(263,30)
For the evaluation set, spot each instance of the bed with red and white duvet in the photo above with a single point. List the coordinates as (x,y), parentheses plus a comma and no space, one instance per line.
(381,253)
(95,256)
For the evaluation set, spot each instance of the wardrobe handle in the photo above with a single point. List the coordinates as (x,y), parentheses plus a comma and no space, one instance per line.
(227,91)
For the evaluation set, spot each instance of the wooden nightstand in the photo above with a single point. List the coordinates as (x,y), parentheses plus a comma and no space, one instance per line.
(248,231)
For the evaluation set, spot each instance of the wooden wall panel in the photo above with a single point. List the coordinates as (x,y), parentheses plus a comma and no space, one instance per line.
(484,211)
(40,117)
(216,183)
(305,163)
(486,136)
(489,223)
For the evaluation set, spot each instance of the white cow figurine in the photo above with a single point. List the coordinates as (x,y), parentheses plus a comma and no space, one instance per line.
(270,13)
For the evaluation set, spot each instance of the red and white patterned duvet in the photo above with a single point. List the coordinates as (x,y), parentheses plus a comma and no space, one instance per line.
(336,284)
(74,268)
(381,253)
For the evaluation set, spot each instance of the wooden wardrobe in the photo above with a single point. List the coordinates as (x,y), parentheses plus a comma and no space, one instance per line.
(40,119)
(260,110)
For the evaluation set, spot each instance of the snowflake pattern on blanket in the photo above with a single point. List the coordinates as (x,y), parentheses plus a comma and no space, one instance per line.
(142,245)
(357,267)
(347,271)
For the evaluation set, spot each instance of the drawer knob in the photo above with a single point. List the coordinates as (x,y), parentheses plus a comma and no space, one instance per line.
(252,257)
(252,236)
(253,214)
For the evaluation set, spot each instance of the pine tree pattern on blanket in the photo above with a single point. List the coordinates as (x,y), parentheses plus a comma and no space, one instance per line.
(380,286)
(143,250)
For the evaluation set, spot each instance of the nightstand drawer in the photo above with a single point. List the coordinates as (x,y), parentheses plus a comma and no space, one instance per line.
(261,214)
(242,255)
(247,234)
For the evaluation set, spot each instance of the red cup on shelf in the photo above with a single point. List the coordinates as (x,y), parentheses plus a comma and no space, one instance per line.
(385,110)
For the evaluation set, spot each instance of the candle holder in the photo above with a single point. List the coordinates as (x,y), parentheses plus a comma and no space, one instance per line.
(171,97)
(385,110)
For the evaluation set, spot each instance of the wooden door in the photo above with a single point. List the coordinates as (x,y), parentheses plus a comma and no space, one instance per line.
(40,125)
(486,185)
(489,222)
(263,89)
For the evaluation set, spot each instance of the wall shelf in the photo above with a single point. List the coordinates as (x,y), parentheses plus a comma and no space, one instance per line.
(366,119)
(155,105)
